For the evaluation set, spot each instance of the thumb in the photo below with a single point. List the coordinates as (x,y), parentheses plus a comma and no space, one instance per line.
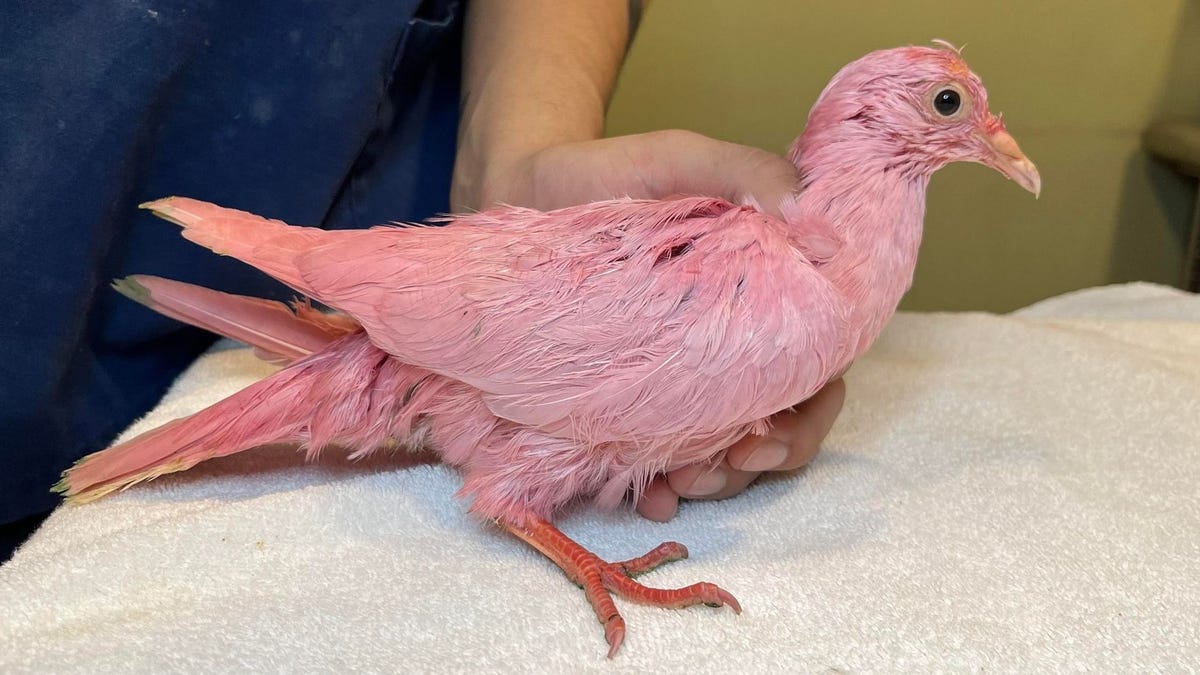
(690,163)
(757,177)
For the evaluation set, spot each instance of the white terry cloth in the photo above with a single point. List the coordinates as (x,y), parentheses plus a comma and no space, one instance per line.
(1001,493)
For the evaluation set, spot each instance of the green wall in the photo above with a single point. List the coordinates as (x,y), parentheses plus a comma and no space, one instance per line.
(1077,82)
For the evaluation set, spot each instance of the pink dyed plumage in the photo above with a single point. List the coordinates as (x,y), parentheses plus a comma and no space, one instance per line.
(575,353)
(278,334)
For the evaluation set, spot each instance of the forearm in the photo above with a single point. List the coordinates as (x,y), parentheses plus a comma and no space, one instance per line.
(536,73)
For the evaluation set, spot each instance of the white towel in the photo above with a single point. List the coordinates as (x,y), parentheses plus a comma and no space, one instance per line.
(1012,493)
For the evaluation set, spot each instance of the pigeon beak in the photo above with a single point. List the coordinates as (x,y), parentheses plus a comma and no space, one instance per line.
(1007,158)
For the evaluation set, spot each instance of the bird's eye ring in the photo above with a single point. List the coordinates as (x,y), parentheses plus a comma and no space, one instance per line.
(948,101)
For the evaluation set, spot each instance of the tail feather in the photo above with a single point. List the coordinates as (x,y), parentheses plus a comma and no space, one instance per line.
(277,333)
(245,420)
(338,389)
(349,394)
(270,245)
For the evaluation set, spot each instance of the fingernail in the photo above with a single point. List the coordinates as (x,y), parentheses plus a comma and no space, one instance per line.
(708,484)
(769,454)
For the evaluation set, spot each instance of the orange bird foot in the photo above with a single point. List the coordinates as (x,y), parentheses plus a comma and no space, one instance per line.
(599,579)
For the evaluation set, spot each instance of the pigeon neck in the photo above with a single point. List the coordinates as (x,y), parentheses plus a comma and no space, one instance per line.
(877,210)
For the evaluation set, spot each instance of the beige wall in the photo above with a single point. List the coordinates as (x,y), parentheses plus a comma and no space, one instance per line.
(1077,82)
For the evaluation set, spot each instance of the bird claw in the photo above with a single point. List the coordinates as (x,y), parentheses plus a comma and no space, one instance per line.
(601,579)
(614,634)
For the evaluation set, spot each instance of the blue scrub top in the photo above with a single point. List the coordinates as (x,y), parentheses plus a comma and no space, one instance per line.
(333,114)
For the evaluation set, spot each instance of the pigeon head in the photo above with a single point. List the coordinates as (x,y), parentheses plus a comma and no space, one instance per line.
(913,110)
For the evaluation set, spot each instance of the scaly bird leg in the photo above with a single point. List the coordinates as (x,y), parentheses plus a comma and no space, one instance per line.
(599,578)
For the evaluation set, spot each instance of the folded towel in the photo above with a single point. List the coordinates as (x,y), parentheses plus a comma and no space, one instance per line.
(1013,492)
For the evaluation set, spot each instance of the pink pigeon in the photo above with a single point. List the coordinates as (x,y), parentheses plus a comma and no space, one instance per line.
(577,353)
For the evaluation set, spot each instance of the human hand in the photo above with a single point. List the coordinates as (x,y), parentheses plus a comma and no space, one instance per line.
(793,442)
(657,165)
(652,165)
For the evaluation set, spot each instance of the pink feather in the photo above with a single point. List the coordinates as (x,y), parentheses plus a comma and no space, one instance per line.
(278,334)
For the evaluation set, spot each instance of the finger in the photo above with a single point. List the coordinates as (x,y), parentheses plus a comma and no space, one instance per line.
(658,502)
(699,480)
(761,453)
(795,436)
(792,442)
(758,177)
(735,481)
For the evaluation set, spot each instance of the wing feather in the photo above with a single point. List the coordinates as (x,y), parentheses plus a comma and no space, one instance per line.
(622,320)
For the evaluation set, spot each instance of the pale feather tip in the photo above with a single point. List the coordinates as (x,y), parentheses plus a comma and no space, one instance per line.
(132,289)
(156,204)
(946,44)
(69,494)
(163,208)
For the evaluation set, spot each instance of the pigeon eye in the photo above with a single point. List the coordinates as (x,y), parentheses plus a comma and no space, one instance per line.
(947,102)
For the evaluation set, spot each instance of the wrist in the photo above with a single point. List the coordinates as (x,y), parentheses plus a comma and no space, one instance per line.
(537,74)
(499,139)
